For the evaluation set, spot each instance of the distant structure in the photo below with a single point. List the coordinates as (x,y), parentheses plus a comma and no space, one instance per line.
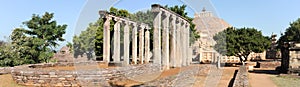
(207,25)
(64,55)
(272,53)
(290,62)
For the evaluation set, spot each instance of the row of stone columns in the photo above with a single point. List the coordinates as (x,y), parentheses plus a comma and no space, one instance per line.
(136,28)
(172,49)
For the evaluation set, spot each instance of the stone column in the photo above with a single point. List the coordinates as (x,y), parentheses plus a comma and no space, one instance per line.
(141,44)
(116,37)
(173,41)
(157,38)
(178,43)
(187,48)
(183,40)
(188,45)
(200,53)
(147,45)
(165,41)
(134,43)
(126,43)
(190,54)
(106,40)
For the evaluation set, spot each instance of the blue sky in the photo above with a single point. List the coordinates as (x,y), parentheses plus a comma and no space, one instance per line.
(265,15)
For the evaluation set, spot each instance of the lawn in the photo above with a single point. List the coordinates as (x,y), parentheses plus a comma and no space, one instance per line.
(286,81)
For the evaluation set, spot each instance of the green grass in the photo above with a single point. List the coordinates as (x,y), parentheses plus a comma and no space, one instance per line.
(286,81)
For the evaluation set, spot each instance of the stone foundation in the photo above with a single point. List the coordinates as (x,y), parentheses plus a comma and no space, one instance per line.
(99,77)
(241,79)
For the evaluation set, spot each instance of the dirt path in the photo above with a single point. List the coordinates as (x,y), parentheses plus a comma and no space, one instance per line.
(259,80)
(228,73)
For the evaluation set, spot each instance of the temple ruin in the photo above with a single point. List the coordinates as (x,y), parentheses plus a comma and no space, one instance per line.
(171,39)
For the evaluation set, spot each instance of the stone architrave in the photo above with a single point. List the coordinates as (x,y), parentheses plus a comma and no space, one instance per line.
(165,40)
(116,55)
(134,43)
(147,45)
(178,43)
(126,43)
(141,43)
(106,40)
(173,41)
(157,38)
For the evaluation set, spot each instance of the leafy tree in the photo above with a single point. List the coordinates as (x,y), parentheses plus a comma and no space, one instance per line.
(291,34)
(240,42)
(85,42)
(34,44)
(2,43)
(194,35)
(70,45)
(91,40)
(45,33)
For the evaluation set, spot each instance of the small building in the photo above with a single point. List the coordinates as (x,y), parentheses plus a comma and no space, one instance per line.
(294,59)
(290,62)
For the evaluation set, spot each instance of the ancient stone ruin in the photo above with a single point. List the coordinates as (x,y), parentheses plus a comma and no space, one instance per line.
(170,51)
(290,62)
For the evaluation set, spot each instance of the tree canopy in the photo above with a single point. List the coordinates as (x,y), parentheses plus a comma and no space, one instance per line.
(35,43)
(240,42)
(291,34)
(91,40)
(194,35)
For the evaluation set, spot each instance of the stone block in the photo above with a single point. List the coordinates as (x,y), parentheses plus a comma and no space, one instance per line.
(53,76)
(51,73)
(68,76)
(41,81)
(61,78)
(250,68)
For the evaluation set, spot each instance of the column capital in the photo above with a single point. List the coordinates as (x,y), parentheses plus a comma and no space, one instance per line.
(147,27)
(126,22)
(133,24)
(117,19)
(142,26)
(166,13)
(173,17)
(178,20)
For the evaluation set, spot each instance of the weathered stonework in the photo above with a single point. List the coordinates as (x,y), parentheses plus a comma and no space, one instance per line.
(241,78)
(101,77)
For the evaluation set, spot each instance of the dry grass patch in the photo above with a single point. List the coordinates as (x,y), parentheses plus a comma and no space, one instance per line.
(7,81)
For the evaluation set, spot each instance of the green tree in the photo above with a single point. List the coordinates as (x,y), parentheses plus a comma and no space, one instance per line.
(291,34)
(34,44)
(91,40)
(240,42)
(44,33)
(194,35)
(85,42)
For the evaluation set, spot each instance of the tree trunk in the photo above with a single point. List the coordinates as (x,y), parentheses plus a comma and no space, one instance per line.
(219,62)
(242,59)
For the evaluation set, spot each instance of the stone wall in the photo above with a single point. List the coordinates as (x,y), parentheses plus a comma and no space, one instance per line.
(241,79)
(268,64)
(5,70)
(99,77)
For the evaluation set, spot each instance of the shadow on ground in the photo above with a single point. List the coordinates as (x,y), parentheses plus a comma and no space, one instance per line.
(272,72)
